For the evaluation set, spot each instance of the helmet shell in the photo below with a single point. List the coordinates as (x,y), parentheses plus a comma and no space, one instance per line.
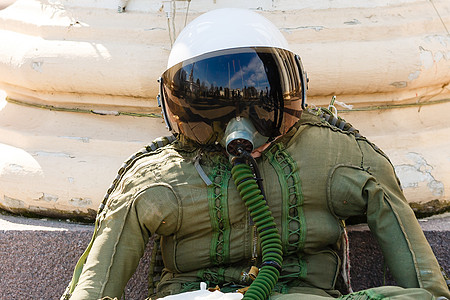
(225,28)
(231,63)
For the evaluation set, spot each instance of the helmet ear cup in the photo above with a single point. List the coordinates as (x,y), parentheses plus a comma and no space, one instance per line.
(162,103)
(303,80)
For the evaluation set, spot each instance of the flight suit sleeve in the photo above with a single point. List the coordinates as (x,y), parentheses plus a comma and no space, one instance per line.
(124,229)
(372,188)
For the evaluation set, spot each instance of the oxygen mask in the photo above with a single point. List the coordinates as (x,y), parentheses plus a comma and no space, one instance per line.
(241,136)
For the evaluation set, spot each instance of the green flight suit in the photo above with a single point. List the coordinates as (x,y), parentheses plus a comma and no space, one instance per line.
(314,177)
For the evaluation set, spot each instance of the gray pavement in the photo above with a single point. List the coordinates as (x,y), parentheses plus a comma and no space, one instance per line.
(37,256)
(367,261)
(12,223)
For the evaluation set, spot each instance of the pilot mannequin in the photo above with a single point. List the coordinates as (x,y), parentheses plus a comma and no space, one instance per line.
(253,190)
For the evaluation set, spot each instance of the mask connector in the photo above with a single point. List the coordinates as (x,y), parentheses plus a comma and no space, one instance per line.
(241,136)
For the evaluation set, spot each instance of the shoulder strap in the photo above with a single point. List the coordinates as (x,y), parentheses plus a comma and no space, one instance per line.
(334,121)
(153,146)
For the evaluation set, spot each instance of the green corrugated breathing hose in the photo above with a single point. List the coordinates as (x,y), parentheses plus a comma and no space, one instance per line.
(272,254)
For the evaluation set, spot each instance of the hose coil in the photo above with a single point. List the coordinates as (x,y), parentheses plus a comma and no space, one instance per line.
(272,254)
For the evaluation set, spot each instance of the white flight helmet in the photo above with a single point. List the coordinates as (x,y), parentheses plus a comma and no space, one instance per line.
(231,63)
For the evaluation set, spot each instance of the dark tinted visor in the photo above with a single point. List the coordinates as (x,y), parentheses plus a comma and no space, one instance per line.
(201,95)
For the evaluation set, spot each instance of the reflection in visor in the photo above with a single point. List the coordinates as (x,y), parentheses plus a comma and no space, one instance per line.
(203,94)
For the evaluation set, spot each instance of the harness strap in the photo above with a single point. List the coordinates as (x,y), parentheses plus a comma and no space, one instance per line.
(153,146)
(334,120)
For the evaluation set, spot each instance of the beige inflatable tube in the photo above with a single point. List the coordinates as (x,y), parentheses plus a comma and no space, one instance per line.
(80,84)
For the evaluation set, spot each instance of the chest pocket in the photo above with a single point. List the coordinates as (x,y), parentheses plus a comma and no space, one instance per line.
(346,195)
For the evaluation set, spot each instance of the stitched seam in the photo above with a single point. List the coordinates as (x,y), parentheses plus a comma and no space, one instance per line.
(411,249)
(289,178)
(218,209)
(287,171)
(363,295)
(128,205)
(212,276)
